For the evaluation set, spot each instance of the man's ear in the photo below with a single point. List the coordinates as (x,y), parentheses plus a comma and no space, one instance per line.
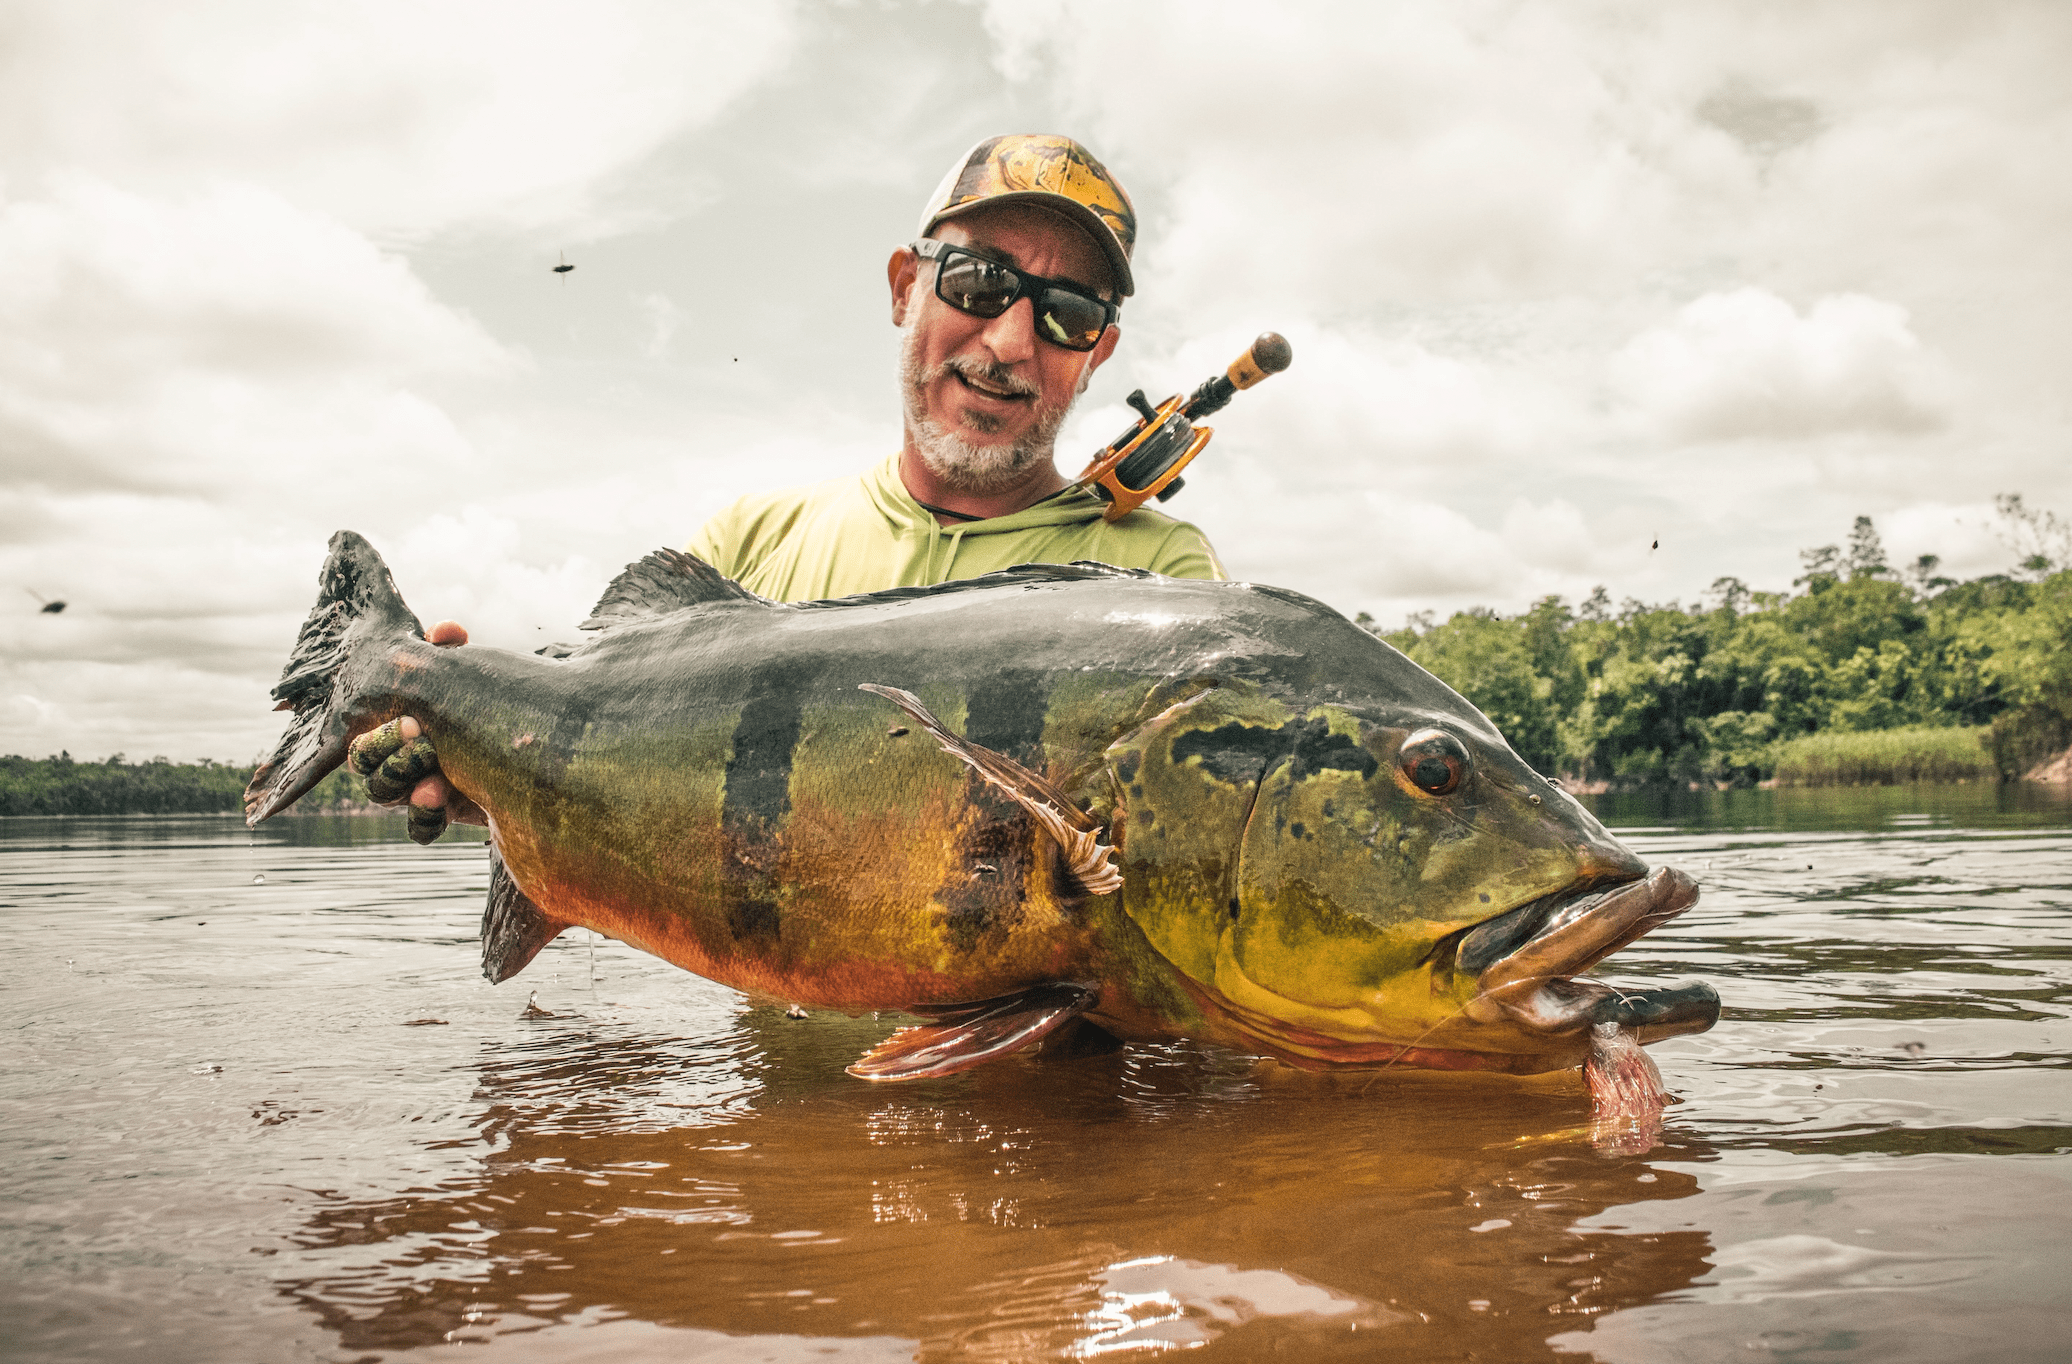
(1098,356)
(901,272)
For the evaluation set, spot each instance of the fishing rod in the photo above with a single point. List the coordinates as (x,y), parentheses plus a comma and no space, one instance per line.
(1145,461)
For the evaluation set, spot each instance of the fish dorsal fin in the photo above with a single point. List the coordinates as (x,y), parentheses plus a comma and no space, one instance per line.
(1078,571)
(960,1036)
(665,581)
(1076,832)
(514,929)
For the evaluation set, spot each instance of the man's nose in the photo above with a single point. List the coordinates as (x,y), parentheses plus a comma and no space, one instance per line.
(1012,335)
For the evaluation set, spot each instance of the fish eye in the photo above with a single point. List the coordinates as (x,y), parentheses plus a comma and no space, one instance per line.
(1434,761)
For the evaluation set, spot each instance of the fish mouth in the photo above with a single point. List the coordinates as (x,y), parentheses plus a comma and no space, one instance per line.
(1524,960)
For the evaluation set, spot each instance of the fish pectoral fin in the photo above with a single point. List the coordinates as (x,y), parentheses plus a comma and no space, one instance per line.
(965,1035)
(1077,834)
(514,929)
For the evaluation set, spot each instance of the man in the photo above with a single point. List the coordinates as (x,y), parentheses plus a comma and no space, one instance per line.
(1007,303)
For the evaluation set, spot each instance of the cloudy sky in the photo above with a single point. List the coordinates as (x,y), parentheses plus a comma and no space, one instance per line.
(1563,280)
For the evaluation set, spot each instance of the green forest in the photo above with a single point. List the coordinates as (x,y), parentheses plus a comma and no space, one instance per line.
(1859,674)
(114,786)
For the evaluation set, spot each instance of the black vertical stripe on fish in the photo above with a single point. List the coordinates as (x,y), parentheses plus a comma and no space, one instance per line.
(1006,713)
(756,799)
(987,884)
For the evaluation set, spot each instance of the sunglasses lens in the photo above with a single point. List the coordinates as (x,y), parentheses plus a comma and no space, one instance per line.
(1070,320)
(979,287)
(987,288)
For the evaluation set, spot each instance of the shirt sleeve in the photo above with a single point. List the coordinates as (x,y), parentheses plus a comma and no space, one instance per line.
(717,542)
(1187,553)
(740,536)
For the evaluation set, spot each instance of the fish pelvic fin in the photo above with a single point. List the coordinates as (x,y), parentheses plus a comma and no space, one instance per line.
(356,600)
(1077,833)
(667,580)
(960,1036)
(514,929)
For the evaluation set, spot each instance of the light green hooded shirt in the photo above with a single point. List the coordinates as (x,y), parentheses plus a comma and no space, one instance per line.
(866,533)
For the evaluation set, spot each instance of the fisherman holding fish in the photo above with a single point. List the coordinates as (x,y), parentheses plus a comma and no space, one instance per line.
(1007,302)
(1147,809)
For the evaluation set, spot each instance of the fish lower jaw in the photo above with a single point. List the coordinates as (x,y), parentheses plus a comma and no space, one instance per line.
(1559,1006)
(1442,1042)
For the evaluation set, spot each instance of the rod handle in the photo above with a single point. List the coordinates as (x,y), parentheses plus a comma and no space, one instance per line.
(1270,354)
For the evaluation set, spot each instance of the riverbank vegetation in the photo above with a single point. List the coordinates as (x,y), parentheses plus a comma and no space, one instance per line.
(1858,674)
(1886,757)
(115,786)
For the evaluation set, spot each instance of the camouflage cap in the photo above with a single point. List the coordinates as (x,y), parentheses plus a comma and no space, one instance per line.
(1051,171)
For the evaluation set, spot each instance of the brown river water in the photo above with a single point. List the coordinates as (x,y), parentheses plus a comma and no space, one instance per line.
(258,1104)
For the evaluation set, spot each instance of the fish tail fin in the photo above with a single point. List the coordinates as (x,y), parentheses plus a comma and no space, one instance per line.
(356,600)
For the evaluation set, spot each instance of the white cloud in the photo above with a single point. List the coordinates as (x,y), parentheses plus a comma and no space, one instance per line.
(399,118)
(1357,409)
(1967,538)
(1552,538)
(1744,363)
(1414,153)
(217,339)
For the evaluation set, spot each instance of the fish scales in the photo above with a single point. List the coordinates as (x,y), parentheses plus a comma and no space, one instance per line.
(1170,808)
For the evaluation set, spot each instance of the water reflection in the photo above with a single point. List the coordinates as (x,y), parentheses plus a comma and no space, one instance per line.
(1163,1199)
(232,1133)
(1813,809)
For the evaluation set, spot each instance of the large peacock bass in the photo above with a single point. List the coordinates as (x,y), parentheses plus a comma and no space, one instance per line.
(1164,808)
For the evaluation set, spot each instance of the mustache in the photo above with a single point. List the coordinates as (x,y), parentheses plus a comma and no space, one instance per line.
(994,376)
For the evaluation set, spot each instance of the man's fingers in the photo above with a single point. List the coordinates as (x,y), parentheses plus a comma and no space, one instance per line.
(376,746)
(398,762)
(401,771)
(447,633)
(427,818)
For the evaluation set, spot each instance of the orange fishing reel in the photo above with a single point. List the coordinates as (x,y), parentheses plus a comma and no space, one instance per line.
(1146,460)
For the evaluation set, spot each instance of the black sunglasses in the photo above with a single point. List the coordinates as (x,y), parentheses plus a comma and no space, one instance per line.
(1066,317)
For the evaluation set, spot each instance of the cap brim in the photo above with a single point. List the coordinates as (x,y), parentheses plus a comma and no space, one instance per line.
(1079,214)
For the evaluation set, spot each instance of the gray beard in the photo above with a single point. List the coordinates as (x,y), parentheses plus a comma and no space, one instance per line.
(960,465)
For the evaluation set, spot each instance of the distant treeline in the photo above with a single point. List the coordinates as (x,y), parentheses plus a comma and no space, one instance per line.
(64,786)
(1861,674)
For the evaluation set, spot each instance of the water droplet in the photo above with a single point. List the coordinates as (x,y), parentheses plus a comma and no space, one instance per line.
(259,879)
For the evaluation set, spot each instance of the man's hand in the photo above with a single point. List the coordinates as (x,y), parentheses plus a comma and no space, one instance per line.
(398,762)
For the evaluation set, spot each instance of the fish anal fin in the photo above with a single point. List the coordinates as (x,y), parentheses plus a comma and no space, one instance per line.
(961,1036)
(1076,833)
(514,929)
(665,581)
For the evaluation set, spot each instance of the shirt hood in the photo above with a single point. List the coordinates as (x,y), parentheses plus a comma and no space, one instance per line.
(906,516)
